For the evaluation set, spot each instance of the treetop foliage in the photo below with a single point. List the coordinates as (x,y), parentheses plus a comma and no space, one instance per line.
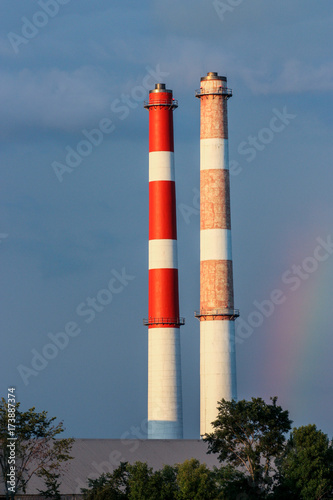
(37,449)
(307,464)
(257,462)
(248,434)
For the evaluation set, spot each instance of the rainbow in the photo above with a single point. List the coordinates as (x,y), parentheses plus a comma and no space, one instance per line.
(298,337)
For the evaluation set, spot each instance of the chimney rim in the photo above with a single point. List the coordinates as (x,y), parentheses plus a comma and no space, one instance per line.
(160,87)
(213,75)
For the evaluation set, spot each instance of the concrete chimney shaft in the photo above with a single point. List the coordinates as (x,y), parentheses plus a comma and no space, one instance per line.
(217,313)
(165,413)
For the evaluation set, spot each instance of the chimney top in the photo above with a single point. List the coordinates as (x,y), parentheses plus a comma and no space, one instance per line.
(213,75)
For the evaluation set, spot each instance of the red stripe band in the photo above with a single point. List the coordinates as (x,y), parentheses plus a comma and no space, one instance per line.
(160,123)
(162,210)
(163,294)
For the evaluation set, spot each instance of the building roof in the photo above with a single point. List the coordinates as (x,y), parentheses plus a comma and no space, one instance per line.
(92,457)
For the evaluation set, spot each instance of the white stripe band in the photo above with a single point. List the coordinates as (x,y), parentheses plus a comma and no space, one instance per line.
(163,254)
(214,154)
(161,166)
(217,368)
(164,375)
(215,244)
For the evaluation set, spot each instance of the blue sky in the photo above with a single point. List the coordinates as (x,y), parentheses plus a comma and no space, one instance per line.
(69,68)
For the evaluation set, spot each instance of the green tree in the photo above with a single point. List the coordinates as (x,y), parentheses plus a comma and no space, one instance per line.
(36,449)
(190,480)
(109,486)
(307,465)
(52,484)
(165,481)
(248,436)
(141,482)
(132,482)
(196,481)
(232,484)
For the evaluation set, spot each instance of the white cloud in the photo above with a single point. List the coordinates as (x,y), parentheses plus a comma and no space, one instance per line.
(54,99)
(5,49)
(293,77)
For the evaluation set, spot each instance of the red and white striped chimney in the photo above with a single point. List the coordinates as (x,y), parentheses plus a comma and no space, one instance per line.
(217,313)
(165,414)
